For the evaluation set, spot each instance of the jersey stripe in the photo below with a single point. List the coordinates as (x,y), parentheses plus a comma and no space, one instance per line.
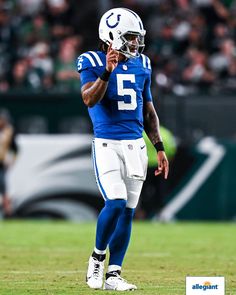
(148,63)
(98,59)
(144,60)
(101,189)
(89,57)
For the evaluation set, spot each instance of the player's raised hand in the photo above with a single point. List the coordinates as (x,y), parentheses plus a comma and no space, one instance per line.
(111,58)
(163,164)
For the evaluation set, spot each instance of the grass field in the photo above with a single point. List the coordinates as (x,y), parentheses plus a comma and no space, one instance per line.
(51,257)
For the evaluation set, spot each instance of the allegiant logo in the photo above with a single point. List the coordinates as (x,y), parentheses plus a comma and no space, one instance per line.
(205,286)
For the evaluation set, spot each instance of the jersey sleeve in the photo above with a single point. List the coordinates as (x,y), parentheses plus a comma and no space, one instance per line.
(87,65)
(147,95)
(87,75)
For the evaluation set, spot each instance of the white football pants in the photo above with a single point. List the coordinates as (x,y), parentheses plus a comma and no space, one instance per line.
(111,169)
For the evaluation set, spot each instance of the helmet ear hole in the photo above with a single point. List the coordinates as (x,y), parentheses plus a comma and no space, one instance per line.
(111,36)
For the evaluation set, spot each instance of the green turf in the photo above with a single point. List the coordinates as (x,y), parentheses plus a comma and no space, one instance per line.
(50,257)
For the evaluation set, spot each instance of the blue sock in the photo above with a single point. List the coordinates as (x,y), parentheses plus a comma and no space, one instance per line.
(107,221)
(120,239)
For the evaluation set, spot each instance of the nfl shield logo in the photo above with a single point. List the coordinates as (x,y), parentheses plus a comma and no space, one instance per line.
(130,146)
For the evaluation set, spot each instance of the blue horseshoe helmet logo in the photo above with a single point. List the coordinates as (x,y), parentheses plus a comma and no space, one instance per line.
(117,22)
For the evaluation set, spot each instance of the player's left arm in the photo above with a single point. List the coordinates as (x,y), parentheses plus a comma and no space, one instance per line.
(152,129)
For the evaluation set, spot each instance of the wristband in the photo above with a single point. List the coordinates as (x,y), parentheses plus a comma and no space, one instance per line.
(105,75)
(159,146)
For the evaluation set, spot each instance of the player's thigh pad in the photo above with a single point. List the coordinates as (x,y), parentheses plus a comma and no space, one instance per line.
(134,188)
(107,166)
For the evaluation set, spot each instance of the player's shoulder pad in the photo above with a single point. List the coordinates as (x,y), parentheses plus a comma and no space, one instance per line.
(90,59)
(145,62)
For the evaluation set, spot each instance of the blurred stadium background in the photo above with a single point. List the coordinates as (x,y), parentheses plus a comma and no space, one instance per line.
(192,47)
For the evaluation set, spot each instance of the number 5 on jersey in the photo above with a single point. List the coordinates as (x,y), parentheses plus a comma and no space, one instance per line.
(132,105)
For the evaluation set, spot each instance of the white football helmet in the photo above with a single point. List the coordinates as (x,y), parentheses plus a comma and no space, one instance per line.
(124,29)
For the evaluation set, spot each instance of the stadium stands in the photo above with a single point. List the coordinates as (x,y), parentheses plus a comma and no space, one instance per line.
(191,43)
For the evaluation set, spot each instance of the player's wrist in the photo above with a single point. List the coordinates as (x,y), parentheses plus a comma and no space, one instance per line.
(105,75)
(108,70)
(159,146)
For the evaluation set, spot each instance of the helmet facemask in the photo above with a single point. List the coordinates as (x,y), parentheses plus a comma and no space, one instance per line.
(133,44)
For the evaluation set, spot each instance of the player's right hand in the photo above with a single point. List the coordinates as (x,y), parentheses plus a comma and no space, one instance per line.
(111,59)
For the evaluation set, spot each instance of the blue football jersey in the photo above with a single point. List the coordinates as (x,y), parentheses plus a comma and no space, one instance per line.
(119,115)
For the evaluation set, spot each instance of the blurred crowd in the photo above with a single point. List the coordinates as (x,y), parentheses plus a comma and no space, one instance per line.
(191,43)
(39,43)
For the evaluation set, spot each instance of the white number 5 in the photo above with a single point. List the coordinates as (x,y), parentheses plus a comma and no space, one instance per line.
(132,105)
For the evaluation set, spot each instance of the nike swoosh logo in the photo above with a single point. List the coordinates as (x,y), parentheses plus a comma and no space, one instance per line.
(142,147)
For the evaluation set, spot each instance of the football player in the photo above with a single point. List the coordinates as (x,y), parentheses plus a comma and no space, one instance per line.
(116,88)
